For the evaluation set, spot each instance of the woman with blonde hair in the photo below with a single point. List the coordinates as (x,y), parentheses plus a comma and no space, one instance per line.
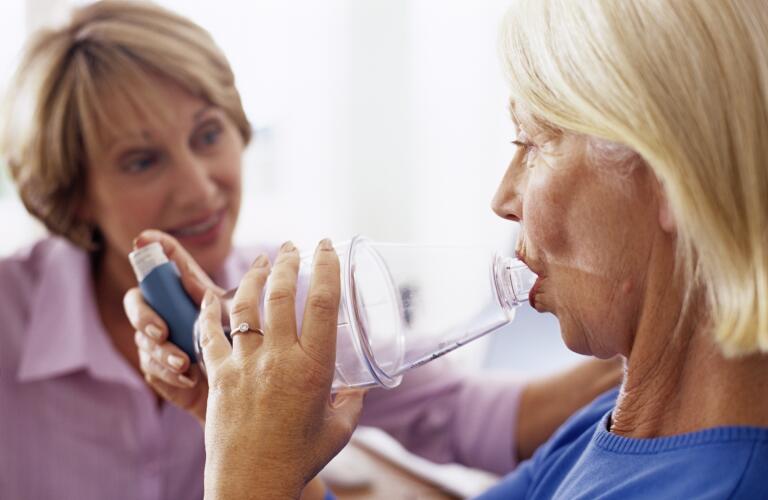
(642,189)
(124,119)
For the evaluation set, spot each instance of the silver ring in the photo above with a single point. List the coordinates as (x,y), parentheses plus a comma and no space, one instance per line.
(245,328)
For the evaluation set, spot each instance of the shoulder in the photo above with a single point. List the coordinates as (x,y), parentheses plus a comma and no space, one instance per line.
(722,462)
(582,422)
(584,460)
(572,438)
(23,264)
(22,271)
(751,483)
(21,277)
(552,462)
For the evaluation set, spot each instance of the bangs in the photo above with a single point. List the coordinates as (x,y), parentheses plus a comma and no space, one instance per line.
(524,58)
(528,120)
(115,92)
(551,71)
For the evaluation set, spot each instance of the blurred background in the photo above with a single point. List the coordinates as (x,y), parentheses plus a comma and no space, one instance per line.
(386,118)
(380,117)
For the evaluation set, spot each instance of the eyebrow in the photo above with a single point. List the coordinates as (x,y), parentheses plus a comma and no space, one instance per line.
(201,112)
(118,142)
(146,136)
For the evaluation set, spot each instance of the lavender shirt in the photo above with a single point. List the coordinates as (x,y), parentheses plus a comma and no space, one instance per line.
(78,422)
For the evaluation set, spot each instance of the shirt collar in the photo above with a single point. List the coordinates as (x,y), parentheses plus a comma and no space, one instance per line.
(65,333)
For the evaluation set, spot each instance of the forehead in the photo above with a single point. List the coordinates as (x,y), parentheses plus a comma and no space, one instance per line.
(157,106)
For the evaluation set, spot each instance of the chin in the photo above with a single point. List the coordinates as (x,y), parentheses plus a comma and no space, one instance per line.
(211,249)
(212,259)
(211,256)
(575,342)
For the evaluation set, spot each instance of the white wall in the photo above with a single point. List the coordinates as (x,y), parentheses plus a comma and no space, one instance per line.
(381,117)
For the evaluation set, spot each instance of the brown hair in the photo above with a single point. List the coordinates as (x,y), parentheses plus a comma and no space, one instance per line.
(55,108)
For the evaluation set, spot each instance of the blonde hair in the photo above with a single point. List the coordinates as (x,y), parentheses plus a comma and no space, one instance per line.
(55,111)
(685,85)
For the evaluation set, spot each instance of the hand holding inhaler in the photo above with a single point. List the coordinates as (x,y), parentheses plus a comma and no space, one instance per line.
(167,368)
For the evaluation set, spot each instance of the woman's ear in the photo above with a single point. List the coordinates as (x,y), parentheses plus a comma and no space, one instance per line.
(666,216)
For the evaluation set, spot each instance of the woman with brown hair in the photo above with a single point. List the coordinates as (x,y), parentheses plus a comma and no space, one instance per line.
(124,119)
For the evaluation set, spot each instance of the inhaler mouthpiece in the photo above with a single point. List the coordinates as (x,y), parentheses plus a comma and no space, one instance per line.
(145,259)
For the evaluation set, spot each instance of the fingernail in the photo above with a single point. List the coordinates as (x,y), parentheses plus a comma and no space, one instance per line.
(287,247)
(135,242)
(260,261)
(186,381)
(153,331)
(326,244)
(175,361)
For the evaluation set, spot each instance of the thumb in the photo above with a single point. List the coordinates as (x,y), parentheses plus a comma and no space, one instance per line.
(193,278)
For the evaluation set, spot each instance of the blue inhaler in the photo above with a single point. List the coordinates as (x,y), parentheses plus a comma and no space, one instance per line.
(160,283)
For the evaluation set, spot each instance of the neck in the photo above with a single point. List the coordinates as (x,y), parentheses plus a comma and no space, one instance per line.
(677,379)
(113,277)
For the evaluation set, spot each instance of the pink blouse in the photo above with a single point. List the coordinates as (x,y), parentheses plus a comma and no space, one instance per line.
(78,422)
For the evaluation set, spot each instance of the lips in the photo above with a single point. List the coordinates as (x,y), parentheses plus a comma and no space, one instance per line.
(532,293)
(202,229)
(535,288)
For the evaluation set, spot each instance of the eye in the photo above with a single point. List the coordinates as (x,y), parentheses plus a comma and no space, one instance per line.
(527,148)
(139,162)
(208,135)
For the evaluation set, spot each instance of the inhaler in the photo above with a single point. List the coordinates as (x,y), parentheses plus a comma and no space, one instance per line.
(401,305)
(160,284)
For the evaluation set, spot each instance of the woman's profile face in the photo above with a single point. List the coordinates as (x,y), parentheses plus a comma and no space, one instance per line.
(588,231)
(180,175)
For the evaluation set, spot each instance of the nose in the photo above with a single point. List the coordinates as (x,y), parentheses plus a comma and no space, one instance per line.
(194,180)
(508,200)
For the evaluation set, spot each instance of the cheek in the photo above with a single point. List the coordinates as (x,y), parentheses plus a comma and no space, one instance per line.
(576,224)
(590,238)
(121,210)
(123,217)
(229,168)
(231,171)
(545,219)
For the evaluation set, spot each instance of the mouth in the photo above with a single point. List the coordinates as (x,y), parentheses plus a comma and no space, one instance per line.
(535,288)
(201,230)
(533,292)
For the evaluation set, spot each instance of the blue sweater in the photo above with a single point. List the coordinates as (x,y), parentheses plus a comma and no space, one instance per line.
(583,460)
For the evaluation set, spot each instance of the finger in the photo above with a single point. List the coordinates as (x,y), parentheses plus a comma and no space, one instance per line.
(245,307)
(177,395)
(142,317)
(165,390)
(165,353)
(213,342)
(193,278)
(280,308)
(152,367)
(318,331)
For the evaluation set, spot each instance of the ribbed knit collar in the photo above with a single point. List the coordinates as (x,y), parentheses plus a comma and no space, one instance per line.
(608,441)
